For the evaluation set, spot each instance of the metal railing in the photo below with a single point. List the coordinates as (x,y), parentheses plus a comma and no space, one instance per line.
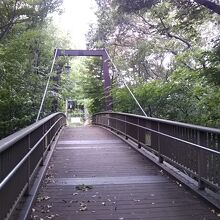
(192,149)
(20,156)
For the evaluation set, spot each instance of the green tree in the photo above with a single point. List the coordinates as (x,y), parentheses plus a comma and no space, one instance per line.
(166,54)
(26,48)
(26,12)
(91,81)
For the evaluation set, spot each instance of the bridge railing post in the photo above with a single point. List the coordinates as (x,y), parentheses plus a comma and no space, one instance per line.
(159,144)
(201,162)
(126,128)
(42,147)
(49,134)
(116,123)
(46,137)
(28,168)
(201,184)
(138,133)
(108,120)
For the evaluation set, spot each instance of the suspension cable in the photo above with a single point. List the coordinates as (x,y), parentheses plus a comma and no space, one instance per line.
(45,91)
(120,75)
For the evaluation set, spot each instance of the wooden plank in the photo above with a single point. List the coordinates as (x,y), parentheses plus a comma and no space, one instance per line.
(109,180)
(90,142)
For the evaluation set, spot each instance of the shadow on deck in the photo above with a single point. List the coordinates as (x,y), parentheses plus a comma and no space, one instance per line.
(95,175)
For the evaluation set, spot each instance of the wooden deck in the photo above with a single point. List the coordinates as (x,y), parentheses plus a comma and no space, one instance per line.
(94,175)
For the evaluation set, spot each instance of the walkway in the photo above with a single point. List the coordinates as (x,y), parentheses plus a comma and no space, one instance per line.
(94,175)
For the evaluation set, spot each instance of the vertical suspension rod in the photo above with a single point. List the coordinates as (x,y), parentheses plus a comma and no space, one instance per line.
(132,94)
(46,88)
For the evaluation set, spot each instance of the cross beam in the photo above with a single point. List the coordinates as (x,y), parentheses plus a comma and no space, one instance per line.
(105,67)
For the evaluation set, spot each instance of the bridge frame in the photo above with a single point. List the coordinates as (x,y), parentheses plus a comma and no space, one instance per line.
(105,68)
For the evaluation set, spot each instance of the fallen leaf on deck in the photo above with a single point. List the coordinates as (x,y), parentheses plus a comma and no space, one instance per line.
(83,208)
(42,198)
(51,216)
(51,166)
(83,187)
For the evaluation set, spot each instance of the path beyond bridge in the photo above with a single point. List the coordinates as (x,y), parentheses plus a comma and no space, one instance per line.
(95,175)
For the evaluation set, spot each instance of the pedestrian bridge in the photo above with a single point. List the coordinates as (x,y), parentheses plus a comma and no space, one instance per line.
(122,166)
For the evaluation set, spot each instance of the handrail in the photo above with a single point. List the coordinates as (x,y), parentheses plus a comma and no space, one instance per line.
(7,178)
(190,148)
(21,154)
(13,138)
(171,137)
(182,124)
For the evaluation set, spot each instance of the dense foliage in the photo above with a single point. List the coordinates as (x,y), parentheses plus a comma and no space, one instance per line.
(85,83)
(168,52)
(27,42)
